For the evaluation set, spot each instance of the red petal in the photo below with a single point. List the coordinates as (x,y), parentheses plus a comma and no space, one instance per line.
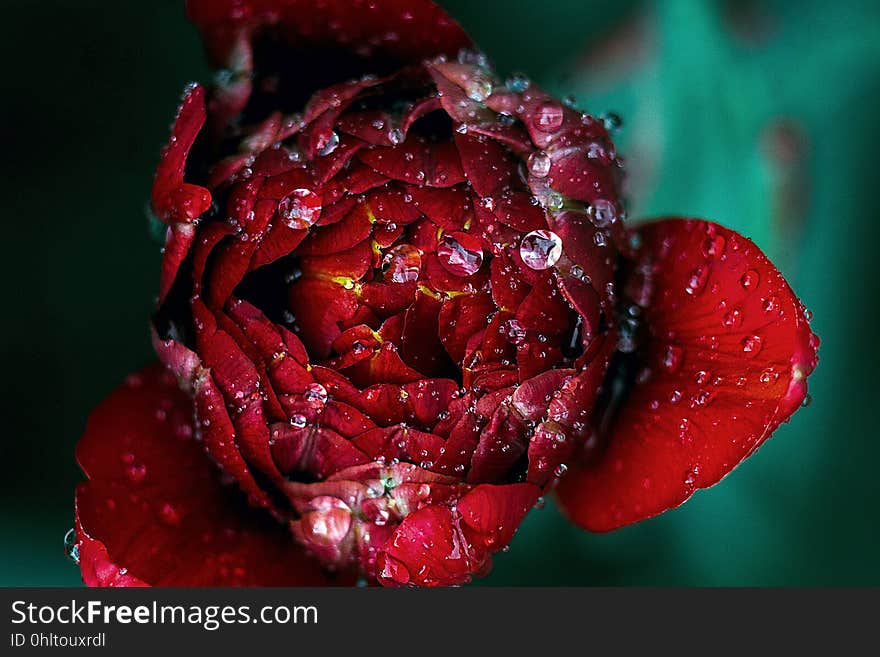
(443,546)
(420,29)
(153,511)
(174,200)
(729,356)
(417,163)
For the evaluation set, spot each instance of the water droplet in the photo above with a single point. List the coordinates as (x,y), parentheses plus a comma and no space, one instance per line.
(518,83)
(602,213)
(298,421)
(514,331)
(136,473)
(315,393)
(808,399)
(331,145)
(673,357)
(541,249)
(395,136)
(768,376)
(169,515)
(460,254)
(752,344)
(750,279)
(697,280)
(539,164)
(478,86)
(402,263)
(71,548)
(549,116)
(301,209)
(733,318)
(611,121)
(713,246)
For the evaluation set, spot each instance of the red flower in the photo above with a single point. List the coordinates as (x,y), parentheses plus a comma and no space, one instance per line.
(397,302)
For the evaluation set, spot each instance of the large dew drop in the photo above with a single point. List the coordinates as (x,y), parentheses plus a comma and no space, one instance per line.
(539,164)
(549,116)
(316,394)
(541,249)
(460,256)
(301,209)
(402,264)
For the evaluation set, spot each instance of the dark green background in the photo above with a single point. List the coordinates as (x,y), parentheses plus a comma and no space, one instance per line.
(762,117)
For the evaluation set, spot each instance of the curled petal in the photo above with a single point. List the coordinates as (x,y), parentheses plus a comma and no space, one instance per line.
(727,360)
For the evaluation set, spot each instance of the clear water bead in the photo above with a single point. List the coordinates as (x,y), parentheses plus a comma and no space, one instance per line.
(403,263)
(539,164)
(458,259)
(71,549)
(549,116)
(315,393)
(541,249)
(301,209)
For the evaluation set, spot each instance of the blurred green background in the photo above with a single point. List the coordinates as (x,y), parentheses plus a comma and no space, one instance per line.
(762,116)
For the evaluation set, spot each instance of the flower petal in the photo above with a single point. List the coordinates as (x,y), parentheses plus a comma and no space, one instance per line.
(727,361)
(153,511)
(445,546)
(402,31)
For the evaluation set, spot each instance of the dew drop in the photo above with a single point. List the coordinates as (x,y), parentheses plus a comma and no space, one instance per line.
(808,399)
(514,331)
(539,164)
(673,357)
(518,83)
(602,213)
(403,263)
(478,86)
(768,376)
(750,279)
(697,280)
(168,515)
(331,145)
(549,116)
(460,254)
(611,121)
(732,319)
(315,393)
(136,473)
(71,549)
(541,249)
(713,246)
(752,344)
(301,209)
(298,421)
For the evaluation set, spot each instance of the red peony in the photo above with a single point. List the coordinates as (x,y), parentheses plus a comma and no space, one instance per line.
(397,302)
